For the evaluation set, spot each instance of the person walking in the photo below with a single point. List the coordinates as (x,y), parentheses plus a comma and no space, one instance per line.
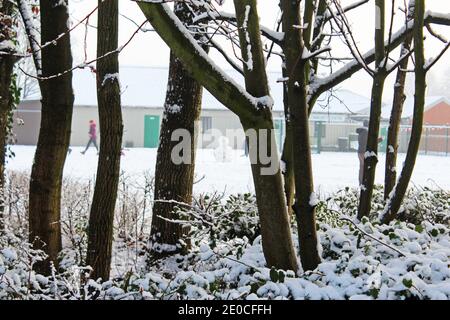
(92,136)
(363,134)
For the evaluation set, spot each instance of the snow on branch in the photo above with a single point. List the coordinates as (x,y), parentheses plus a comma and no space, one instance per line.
(310,55)
(320,85)
(433,61)
(32,34)
(197,61)
(86,63)
(274,36)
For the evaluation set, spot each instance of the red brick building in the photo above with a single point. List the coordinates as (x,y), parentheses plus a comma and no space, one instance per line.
(436,131)
(438,113)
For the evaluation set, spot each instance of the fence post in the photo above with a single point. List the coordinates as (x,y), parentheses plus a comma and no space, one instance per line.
(446,142)
(426,140)
(319,137)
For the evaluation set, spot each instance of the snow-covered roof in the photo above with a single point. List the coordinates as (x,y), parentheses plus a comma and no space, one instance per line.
(408,108)
(146,87)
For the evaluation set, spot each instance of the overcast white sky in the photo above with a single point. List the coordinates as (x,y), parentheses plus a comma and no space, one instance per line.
(147,49)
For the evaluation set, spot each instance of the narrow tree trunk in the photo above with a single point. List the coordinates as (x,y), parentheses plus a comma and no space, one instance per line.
(396,114)
(174,180)
(101,220)
(297,69)
(276,236)
(288,160)
(54,134)
(6,71)
(397,196)
(287,154)
(371,156)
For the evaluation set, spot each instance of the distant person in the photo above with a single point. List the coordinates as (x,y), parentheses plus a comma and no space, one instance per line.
(363,134)
(92,136)
(246,151)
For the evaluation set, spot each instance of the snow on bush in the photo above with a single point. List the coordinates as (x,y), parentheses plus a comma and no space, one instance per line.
(223,219)
(408,259)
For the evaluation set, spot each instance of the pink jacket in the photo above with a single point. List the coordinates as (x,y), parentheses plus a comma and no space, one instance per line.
(93,131)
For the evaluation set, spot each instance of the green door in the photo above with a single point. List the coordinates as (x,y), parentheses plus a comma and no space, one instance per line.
(279,133)
(151,131)
(383,134)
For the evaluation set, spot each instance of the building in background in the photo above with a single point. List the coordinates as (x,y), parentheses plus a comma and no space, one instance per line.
(437,111)
(436,119)
(143,95)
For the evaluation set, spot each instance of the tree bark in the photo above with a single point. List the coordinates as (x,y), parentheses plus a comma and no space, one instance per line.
(101,219)
(275,227)
(398,194)
(174,181)
(396,114)
(253,113)
(297,69)
(287,156)
(7,62)
(371,156)
(54,134)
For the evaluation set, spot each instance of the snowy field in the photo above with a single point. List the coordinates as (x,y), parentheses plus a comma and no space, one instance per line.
(332,171)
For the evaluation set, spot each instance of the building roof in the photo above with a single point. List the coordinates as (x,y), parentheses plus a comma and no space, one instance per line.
(408,108)
(146,87)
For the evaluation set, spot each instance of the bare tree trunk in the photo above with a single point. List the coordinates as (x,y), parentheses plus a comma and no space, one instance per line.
(54,134)
(396,114)
(275,227)
(297,69)
(398,194)
(101,220)
(6,72)
(253,113)
(288,160)
(371,156)
(287,157)
(287,154)
(174,181)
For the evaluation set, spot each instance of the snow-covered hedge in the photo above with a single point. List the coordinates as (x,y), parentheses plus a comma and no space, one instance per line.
(408,259)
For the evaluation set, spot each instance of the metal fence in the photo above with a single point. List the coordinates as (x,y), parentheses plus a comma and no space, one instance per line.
(342,137)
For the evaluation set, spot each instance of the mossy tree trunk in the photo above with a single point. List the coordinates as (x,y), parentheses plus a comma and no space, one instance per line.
(174,181)
(7,62)
(54,134)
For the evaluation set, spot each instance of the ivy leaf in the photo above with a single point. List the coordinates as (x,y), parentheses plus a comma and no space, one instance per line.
(407,283)
(274,275)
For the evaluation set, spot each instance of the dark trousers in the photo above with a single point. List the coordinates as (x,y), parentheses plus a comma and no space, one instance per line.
(91,141)
(361,167)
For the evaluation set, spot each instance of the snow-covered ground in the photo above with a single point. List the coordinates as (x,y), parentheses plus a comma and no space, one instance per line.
(332,171)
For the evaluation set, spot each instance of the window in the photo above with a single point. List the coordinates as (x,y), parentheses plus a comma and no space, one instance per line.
(206,124)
